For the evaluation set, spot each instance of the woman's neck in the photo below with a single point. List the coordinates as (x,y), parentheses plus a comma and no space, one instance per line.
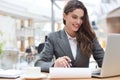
(70,33)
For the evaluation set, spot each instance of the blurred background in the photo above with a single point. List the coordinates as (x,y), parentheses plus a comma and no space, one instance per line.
(24,24)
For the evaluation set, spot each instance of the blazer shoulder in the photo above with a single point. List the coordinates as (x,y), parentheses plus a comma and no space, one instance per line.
(55,34)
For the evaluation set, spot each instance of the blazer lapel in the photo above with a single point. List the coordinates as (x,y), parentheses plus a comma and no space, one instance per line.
(64,45)
(78,56)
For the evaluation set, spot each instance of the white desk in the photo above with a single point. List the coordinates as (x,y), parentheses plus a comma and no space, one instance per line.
(111,78)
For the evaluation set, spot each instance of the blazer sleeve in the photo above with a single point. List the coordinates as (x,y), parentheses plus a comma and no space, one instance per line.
(46,56)
(98,52)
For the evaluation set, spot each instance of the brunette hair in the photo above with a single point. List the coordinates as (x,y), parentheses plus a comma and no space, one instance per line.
(85,35)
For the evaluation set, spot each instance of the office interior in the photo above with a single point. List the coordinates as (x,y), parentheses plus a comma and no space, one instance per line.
(25,23)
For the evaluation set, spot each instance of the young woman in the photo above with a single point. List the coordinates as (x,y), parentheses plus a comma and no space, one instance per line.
(72,46)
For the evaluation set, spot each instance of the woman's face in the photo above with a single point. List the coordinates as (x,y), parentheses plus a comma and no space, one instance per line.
(73,20)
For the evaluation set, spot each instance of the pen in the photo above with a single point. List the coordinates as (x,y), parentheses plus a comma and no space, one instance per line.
(68,61)
(70,64)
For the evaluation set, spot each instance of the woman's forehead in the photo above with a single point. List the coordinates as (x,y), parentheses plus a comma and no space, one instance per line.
(78,12)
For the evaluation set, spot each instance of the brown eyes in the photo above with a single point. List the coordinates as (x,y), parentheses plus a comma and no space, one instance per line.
(81,18)
(75,17)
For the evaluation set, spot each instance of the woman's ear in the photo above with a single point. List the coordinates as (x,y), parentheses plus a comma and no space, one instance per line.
(64,16)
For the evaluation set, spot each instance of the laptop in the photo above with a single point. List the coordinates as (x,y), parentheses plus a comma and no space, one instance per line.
(111,61)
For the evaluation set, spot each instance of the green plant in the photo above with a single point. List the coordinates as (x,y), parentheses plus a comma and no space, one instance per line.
(1,44)
(1,47)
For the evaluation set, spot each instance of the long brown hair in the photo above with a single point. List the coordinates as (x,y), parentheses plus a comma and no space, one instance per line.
(85,35)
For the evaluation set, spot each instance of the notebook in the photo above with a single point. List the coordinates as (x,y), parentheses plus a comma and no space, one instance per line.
(69,73)
(111,61)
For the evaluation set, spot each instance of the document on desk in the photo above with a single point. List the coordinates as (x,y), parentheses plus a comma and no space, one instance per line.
(10,73)
(70,73)
(32,73)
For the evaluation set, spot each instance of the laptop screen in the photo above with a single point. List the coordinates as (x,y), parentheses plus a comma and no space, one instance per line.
(111,64)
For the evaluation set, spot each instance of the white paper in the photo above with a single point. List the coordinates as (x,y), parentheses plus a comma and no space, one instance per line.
(10,73)
(70,73)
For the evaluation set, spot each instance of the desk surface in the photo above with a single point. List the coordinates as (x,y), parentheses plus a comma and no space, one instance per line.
(111,78)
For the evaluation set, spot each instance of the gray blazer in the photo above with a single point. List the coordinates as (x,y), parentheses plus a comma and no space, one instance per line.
(57,45)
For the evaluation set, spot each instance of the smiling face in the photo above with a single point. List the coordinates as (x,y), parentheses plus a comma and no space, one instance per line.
(73,20)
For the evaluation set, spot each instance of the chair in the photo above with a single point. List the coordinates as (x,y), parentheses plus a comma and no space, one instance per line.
(40,47)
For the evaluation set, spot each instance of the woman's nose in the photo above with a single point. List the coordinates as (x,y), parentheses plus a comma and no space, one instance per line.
(78,21)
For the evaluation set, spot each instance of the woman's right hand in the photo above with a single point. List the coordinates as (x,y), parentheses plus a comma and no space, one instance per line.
(63,62)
